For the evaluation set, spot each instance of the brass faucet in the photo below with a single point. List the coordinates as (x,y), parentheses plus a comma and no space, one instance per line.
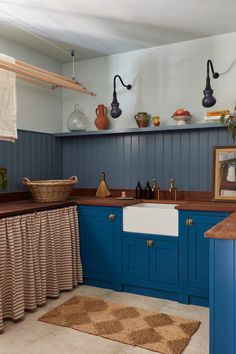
(173,188)
(155,189)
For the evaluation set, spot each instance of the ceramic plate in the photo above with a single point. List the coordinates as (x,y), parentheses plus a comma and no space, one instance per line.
(126,198)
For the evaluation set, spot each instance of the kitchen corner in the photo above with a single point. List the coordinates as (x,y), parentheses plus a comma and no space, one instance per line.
(117,177)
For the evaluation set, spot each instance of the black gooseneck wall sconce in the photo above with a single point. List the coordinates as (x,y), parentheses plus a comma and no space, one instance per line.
(208,99)
(115,110)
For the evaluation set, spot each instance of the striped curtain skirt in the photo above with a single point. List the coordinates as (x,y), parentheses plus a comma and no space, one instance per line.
(39,257)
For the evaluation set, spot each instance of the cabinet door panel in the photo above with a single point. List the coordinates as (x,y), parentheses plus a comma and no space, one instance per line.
(198,251)
(164,262)
(97,241)
(135,258)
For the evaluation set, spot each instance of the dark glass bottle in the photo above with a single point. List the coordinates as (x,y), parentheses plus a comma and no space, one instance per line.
(138,191)
(148,191)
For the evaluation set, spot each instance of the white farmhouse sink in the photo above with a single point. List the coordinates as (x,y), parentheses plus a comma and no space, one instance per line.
(151,218)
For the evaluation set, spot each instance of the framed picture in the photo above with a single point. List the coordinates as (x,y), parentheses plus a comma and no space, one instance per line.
(224,172)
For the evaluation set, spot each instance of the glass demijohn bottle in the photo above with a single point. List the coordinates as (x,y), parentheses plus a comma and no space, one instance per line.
(77,120)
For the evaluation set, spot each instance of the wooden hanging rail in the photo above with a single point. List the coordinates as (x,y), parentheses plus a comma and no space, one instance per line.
(33,74)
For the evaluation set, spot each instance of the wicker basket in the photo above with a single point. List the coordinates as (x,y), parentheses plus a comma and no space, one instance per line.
(50,190)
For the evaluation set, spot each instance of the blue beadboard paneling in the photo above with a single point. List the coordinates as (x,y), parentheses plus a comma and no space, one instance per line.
(33,155)
(185,155)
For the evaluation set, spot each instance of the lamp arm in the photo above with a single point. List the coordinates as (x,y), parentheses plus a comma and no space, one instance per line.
(114,84)
(215,75)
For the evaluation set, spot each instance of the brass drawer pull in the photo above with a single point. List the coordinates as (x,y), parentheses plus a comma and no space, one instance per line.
(112,217)
(150,243)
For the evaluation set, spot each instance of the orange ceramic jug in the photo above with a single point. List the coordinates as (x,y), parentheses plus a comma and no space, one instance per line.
(101,120)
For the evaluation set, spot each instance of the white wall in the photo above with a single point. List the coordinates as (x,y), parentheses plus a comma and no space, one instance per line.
(39,108)
(165,78)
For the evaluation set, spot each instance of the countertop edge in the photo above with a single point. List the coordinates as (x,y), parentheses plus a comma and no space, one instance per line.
(182,204)
(29,206)
(226,229)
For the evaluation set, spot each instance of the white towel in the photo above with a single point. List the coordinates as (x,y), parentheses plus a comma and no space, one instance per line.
(8,128)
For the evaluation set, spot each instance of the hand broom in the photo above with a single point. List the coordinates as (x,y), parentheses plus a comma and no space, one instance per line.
(103,190)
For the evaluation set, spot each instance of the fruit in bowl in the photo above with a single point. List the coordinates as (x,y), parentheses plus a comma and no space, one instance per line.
(181,115)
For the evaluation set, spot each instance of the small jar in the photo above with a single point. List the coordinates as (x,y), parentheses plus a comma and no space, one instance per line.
(156,121)
(77,120)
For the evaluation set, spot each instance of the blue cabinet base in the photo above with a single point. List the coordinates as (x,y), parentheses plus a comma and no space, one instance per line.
(193,299)
(173,268)
(162,294)
(135,289)
(146,291)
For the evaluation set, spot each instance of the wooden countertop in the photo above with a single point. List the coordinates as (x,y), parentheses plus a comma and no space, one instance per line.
(226,229)
(29,206)
(25,206)
(182,204)
(206,206)
(108,202)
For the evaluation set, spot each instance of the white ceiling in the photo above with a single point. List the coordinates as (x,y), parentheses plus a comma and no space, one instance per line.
(102,27)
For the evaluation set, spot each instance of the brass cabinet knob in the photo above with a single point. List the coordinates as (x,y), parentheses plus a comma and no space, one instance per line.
(189,222)
(112,217)
(150,243)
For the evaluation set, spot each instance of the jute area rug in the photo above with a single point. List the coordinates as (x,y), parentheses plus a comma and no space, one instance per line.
(158,332)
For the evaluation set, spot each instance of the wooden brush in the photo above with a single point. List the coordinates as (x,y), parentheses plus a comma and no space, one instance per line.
(103,190)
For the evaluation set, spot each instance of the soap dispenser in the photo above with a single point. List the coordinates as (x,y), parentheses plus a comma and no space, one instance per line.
(148,191)
(138,191)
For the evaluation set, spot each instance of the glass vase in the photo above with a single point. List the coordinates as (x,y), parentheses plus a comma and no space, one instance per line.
(77,120)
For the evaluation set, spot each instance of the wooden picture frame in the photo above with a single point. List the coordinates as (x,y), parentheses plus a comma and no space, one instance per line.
(224,173)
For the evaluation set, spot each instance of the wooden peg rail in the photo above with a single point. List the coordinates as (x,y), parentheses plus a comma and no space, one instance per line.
(36,75)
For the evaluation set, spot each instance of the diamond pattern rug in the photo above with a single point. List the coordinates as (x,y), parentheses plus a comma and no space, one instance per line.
(158,332)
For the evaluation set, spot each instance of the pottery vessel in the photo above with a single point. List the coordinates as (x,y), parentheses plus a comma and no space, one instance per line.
(142,119)
(156,121)
(101,120)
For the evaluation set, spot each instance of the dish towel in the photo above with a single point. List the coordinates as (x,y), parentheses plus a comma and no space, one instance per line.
(8,129)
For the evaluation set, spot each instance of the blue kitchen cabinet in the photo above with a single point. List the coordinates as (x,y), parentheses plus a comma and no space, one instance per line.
(99,245)
(123,261)
(175,268)
(150,258)
(150,265)
(195,254)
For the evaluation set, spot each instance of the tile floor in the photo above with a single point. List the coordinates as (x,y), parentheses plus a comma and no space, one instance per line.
(34,337)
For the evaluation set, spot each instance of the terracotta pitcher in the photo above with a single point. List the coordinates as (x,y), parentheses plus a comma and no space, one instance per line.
(101,120)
